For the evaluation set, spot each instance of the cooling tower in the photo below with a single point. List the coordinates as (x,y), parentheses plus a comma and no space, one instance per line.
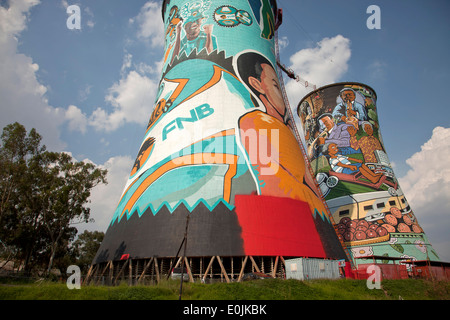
(220,157)
(348,158)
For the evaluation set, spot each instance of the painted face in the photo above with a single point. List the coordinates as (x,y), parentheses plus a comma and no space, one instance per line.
(327,122)
(193,28)
(368,129)
(348,95)
(271,87)
(332,149)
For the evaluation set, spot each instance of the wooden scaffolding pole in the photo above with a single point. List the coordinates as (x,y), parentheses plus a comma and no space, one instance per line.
(145,269)
(275,267)
(89,274)
(208,268)
(241,274)
(254,264)
(122,270)
(224,272)
(157,271)
(188,268)
(104,270)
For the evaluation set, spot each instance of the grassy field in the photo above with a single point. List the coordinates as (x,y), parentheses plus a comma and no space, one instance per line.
(269,289)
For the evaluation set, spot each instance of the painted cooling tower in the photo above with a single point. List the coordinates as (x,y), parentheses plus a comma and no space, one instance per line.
(220,148)
(346,151)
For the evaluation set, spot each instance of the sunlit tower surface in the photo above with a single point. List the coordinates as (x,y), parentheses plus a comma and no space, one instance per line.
(221,182)
(346,151)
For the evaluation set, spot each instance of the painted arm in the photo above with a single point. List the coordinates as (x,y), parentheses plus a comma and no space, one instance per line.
(176,50)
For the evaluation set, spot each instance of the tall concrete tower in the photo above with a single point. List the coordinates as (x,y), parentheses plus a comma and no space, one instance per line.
(220,161)
(347,154)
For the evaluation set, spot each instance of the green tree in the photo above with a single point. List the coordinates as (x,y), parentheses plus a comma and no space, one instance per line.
(85,248)
(65,188)
(17,226)
(16,150)
(43,194)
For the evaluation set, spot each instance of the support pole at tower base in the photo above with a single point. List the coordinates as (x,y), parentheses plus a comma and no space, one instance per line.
(199,269)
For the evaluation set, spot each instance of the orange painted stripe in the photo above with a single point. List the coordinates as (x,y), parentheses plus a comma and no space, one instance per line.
(216,77)
(186,160)
(228,132)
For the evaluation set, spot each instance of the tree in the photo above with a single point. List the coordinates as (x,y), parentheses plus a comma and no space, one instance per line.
(16,149)
(85,248)
(17,226)
(43,194)
(68,186)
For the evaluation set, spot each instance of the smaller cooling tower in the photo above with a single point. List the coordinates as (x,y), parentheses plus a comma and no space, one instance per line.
(349,161)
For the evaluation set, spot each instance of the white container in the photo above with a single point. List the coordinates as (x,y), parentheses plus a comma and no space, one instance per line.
(310,268)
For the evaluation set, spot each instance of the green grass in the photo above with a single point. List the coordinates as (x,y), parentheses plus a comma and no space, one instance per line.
(269,289)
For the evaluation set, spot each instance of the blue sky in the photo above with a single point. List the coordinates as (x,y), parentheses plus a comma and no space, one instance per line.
(90,92)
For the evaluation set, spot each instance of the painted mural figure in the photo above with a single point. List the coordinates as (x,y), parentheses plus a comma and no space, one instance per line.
(143,154)
(367,144)
(170,35)
(262,79)
(343,164)
(198,36)
(308,115)
(348,102)
(287,176)
(337,133)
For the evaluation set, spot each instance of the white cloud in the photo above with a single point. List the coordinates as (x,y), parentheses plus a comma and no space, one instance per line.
(283,42)
(427,187)
(22,95)
(104,198)
(84,93)
(65,4)
(144,68)
(128,57)
(150,26)
(76,118)
(132,98)
(89,17)
(321,65)
(429,168)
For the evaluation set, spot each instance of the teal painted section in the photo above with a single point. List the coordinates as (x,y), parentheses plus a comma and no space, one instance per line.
(200,101)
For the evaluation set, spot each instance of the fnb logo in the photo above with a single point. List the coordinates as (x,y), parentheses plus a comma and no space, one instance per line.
(197,114)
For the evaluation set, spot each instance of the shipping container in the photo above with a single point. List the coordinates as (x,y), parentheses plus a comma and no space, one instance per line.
(311,268)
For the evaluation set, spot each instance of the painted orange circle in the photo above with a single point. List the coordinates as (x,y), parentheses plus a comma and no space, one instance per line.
(396,212)
(407,220)
(417,229)
(389,218)
(388,227)
(402,227)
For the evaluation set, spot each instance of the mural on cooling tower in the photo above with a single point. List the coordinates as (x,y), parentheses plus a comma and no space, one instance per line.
(344,145)
(219,115)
